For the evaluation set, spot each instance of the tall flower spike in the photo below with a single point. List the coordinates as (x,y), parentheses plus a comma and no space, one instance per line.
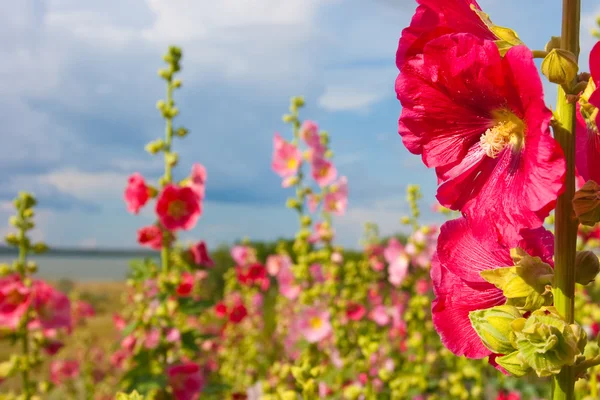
(481,121)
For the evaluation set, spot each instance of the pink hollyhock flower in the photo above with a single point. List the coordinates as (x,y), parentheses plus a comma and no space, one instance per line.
(587,148)
(322,232)
(15,299)
(309,132)
(337,258)
(198,180)
(336,200)
(323,171)
(481,121)
(150,288)
(53,308)
(117,359)
(243,255)
(422,286)
(398,262)
(152,338)
(200,255)
(312,202)
(315,325)
(128,343)
(186,380)
(380,315)
(434,18)
(238,313)
(355,311)
(81,311)
(63,370)
(178,208)
(459,287)
(286,157)
(276,263)
(136,193)
(119,322)
(150,236)
(173,335)
(287,283)
(316,272)
(186,286)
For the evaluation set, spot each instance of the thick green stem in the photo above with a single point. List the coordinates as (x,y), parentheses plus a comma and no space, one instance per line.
(24,330)
(164,254)
(566,224)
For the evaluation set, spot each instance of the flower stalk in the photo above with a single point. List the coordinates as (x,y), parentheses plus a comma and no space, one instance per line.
(566,225)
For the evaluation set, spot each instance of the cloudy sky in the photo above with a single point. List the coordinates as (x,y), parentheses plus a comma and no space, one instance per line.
(79,85)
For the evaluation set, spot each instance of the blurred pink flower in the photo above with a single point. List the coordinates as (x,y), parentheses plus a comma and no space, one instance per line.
(380,315)
(178,208)
(186,286)
(286,281)
(336,200)
(243,255)
(398,262)
(276,262)
(136,193)
(355,311)
(173,335)
(315,325)
(152,338)
(150,236)
(63,370)
(198,180)
(53,308)
(323,171)
(119,322)
(186,380)
(309,132)
(200,255)
(15,299)
(286,157)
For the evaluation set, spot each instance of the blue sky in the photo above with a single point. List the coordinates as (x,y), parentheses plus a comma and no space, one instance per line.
(79,86)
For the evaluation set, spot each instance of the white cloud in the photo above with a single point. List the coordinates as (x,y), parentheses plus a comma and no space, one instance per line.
(347,98)
(91,186)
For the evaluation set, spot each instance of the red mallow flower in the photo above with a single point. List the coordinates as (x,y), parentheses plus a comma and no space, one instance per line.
(178,208)
(355,311)
(458,286)
(595,71)
(63,370)
(185,288)
(186,380)
(136,193)
(588,134)
(53,308)
(255,274)
(220,309)
(434,18)
(150,236)
(286,157)
(15,299)
(81,311)
(504,395)
(237,313)
(198,180)
(200,255)
(481,121)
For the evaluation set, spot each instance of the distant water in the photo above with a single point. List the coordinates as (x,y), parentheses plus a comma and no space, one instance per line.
(79,268)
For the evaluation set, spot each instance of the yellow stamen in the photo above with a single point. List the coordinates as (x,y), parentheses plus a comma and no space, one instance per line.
(177,209)
(508,128)
(315,322)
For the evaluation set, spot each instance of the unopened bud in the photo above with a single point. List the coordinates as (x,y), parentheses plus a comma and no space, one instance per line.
(287,118)
(493,325)
(165,73)
(11,239)
(553,43)
(182,132)
(39,248)
(586,203)
(587,267)
(560,67)
(171,159)
(177,83)
(514,364)
(155,146)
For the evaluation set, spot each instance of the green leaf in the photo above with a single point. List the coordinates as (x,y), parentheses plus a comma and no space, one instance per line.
(129,328)
(215,388)
(188,341)
(190,306)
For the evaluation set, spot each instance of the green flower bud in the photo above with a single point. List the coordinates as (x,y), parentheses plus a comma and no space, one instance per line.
(513,364)
(31,267)
(586,204)
(5,269)
(587,267)
(155,146)
(560,67)
(11,239)
(547,343)
(182,132)
(298,101)
(28,213)
(553,43)
(405,220)
(39,248)
(306,221)
(27,200)
(292,203)
(493,325)
(287,118)
(172,159)
(177,83)
(527,284)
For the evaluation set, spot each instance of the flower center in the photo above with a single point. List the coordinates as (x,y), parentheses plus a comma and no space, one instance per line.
(292,164)
(14,298)
(508,129)
(315,322)
(177,209)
